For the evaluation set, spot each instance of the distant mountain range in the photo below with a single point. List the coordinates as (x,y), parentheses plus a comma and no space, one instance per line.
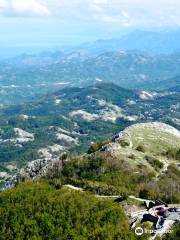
(25,77)
(153,43)
(121,61)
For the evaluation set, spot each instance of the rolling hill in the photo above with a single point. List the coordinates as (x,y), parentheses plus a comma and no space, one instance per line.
(69,120)
(27,77)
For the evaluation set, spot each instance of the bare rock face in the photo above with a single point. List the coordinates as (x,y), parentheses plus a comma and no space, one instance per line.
(34,170)
(146,95)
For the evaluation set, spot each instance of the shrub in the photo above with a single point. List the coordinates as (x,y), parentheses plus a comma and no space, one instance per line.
(178,155)
(141,148)
(124,143)
(172,153)
(96,146)
(154,162)
(144,193)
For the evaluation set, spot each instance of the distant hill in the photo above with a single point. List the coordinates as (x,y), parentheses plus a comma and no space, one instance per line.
(26,77)
(159,42)
(174,83)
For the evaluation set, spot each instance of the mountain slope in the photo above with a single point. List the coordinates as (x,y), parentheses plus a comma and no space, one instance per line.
(142,160)
(69,120)
(143,151)
(157,138)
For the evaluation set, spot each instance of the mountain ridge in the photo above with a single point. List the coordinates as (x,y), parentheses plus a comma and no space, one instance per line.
(153,145)
(152,42)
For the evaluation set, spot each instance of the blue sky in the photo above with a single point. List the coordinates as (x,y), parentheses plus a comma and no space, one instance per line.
(52,23)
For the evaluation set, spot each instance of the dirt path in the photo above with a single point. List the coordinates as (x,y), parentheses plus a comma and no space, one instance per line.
(103,196)
(96,195)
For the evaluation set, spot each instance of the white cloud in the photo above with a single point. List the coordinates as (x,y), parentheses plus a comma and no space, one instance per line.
(137,12)
(24,8)
(30,7)
(116,12)
(3,4)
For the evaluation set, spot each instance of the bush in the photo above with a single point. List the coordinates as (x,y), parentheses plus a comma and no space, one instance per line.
(124,143)
(178,155)
(154,162)
(174,235)
(141,148)
(96,146)
(172,153)
(144,193)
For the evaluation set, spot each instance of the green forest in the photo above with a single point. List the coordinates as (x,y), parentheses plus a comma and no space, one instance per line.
(44,210)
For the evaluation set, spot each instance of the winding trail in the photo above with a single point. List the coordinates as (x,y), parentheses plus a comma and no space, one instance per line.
(103,196)
(96,195)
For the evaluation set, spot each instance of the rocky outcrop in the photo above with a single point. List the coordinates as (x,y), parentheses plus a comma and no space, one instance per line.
(34,170)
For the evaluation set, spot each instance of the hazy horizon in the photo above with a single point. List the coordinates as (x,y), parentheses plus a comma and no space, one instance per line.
(38,25)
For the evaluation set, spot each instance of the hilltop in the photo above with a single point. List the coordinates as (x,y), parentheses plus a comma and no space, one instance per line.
(152,138)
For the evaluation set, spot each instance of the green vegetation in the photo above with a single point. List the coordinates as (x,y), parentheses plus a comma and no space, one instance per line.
(165,188)
(155,163)
(173,153)
(174,235)
(178,155)
(4,169)
(47,210)
(45,112)
(36,76)
(105,174)
(39,211)
(141,148)
(97,146)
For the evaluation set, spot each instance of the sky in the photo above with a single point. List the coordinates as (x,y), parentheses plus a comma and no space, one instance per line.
(42,24)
